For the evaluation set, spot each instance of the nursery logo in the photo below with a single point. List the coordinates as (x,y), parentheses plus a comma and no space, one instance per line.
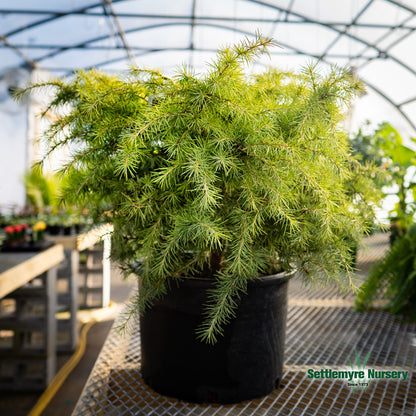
(357,377)
(359,381)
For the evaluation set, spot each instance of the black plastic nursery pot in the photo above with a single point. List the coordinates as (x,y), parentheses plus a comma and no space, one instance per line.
(247,362)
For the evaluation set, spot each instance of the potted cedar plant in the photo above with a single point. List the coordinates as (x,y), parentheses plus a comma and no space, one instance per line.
(219,187)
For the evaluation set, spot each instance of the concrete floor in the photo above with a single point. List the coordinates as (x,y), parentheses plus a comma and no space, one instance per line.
(63,403)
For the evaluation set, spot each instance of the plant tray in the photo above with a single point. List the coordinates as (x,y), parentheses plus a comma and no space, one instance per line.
(27,246)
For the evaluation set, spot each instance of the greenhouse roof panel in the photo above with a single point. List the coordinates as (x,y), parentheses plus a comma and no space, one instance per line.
(376,37)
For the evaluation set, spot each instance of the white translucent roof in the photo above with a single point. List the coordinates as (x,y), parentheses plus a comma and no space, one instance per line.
(377,38)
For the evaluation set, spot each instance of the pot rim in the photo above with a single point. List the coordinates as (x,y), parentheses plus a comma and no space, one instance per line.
(278,278)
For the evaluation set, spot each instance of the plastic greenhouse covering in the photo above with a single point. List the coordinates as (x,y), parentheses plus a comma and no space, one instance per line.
(377,38)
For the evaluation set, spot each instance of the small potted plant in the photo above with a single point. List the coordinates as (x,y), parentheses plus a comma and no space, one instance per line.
(219,187)
(38,230)
(11,236)
(15,234)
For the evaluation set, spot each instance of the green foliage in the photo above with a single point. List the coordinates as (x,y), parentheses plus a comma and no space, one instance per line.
(385,149)
(42,191)
(394,278)
(223,175)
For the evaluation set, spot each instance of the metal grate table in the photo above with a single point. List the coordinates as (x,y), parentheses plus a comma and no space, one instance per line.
(323,332)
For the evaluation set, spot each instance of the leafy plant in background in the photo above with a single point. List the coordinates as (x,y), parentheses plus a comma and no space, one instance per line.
(361,187)
(395,162)
(42,190)
(393,278)
(44,198)
(220,175)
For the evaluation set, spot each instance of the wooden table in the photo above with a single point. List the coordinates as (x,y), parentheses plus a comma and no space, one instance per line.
(75,244)
(27,279)
(88,282)
(18,268)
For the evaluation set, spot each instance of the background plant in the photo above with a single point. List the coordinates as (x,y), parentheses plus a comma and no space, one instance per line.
(393,278)
(221,175)
(396,174)
(42,190)
(44,202)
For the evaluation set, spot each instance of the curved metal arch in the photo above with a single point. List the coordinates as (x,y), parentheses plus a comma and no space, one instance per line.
(55,16)
(403,6)
(153,50)
(262,3)
(396,3)
(297,51)
(215,25)
(396,106)
(141,49)
(104,37)
(156,26)
(183,17)
(305,19)
(87,13)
